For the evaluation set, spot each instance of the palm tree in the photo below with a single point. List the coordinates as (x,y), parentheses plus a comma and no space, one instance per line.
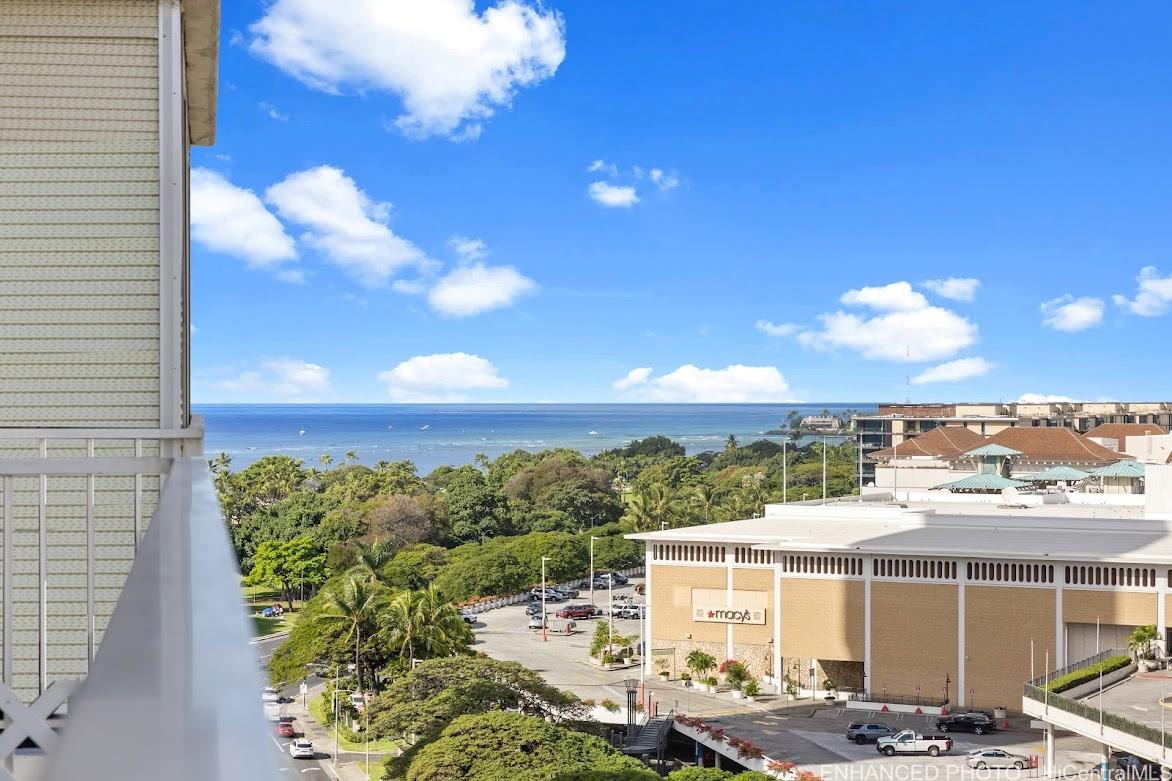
(665,505)
(351,457)
(730,443)
(705,500)
(421,624)
(353,607)
(325,460)
(754,498)
(793,420)
(639,510)
(372,558)
(221,464)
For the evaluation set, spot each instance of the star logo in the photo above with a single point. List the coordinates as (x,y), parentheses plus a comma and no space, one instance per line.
(711,613)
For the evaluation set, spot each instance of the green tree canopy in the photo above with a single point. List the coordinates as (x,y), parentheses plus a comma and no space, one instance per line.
(502,746)
(286,564)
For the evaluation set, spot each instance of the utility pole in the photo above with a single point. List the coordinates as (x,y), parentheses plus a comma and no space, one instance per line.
(823,470)
(544,621)
(592,539)
(784,475)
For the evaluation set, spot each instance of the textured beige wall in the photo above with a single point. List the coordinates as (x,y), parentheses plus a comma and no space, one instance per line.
(671,602)
(913,637)
(760,581)
(1130,608)
(1000,622)
(822,619)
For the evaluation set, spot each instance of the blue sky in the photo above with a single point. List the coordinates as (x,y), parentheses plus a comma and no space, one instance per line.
(400,205)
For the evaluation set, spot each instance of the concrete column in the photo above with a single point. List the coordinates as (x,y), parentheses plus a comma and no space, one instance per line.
(962,693)
(778,673)
(1161,618)
(1060,659)
(728,602)
(717,755)
(647,644)
(1104,760)
(1048,760)
(868,566)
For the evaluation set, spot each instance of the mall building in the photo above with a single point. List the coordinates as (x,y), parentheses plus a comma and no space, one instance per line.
(960,600)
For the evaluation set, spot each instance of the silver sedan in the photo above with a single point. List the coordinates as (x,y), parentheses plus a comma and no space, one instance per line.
(990,758)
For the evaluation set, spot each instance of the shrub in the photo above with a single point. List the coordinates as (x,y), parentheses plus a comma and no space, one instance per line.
(711,681)
(608,658)
(699,662)
(609,705)
(1087,674)
(735,673)
(752,689)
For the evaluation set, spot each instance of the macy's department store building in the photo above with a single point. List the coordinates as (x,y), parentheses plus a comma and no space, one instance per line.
(906,601)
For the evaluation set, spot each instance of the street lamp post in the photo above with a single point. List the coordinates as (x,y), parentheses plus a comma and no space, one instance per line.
(544,621)
(947,680)
(610,613)
(592,539)
(632,686)
(784,475)
(823,470)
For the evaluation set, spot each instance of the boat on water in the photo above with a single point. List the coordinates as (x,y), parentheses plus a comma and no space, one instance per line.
(425,427)
(593,433)
(301,433)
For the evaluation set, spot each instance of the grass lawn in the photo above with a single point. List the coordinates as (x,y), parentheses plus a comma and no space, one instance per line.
(258,597)
(317,709)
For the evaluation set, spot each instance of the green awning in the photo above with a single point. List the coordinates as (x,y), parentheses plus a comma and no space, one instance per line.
(1060,472)
(981,482)
(993,449)
(1131,469)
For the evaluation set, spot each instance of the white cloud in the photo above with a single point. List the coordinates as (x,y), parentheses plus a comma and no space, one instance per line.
(907,328)
(777,329)
(1067,313)
(1042,398)
(613,195)
(953,371)
(344,224)
(956,288)
(1154,296)
(690,383)
(468,248)
(451,65)
(232,220)
(470,290)
(443,377)
(664,181)
(281,379)
(632,378)
(272,111)
(601,166)
(896,297)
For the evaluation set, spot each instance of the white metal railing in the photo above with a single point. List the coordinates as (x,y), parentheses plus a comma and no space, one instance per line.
(174,683)
(174,675)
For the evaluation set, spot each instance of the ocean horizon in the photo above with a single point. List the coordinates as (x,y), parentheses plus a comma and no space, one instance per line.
(432,435)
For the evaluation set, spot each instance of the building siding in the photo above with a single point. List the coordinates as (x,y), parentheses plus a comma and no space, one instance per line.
(79,309)
(913,638)
(1126,608)
(1000,624)
(79,213)
(821,619)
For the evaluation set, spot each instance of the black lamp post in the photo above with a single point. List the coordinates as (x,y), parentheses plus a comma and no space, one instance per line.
(632,686)
(947,680)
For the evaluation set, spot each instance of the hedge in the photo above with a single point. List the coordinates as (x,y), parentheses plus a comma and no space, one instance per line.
(1087,674)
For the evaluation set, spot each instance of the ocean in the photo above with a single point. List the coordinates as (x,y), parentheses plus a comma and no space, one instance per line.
(433,435)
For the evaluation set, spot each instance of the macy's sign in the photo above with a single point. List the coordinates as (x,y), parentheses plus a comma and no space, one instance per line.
(729,615)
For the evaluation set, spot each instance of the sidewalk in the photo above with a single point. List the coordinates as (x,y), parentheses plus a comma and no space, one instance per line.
(350,765)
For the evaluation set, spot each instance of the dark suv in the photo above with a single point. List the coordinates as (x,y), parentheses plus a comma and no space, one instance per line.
(976,723)
(867,732)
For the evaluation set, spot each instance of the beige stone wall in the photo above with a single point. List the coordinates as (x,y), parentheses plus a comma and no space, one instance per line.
(671,603)
(1000,622)
(913,637)
(1128,608)
(822,619)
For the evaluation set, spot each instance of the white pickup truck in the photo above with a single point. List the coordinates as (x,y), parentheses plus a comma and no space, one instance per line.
(908,742)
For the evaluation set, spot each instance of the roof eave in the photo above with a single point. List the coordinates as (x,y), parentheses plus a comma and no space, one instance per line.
(201,45)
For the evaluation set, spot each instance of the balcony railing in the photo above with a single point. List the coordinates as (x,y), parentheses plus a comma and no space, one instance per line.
(1106,718)
(174,689)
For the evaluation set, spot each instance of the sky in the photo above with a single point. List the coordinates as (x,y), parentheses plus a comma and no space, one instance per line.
(605,201)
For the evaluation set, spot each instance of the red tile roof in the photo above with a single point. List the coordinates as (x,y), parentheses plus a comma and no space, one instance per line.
(1121,431)
(1054,445)
(942,441)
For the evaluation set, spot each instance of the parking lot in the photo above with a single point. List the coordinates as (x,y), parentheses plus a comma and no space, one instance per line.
(811,735)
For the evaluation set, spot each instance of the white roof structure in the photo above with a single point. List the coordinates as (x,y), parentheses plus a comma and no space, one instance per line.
(1057,532)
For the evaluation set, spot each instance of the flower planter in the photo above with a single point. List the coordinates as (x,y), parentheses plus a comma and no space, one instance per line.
(1000,713)
(712,689)
(749,698)
(737,694)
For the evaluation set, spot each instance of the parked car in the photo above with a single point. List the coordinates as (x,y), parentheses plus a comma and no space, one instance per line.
(270,695)
(301,749)
(550,595)
(631,610)
(468,617)
(976,723)
(569,591)
(533,608)
(285,729)
(867,731)
(536,622)
(358,700)
(577,611)
(1132,768)
(607,577)
(986,758)
(910,742)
